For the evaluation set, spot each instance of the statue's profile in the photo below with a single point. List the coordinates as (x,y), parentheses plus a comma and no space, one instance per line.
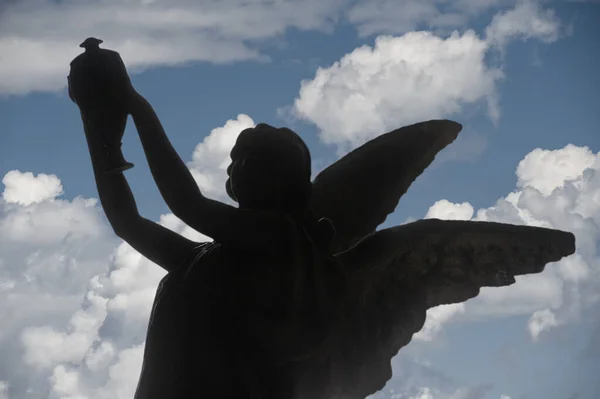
(299,295)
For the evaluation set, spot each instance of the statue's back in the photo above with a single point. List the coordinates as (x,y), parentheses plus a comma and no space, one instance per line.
(232,323)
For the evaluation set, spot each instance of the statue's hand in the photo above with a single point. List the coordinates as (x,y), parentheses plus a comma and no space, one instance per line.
(132,99)
(122,95)
(102,87)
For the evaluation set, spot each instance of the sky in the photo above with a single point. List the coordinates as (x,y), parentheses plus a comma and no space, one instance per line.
(521,76)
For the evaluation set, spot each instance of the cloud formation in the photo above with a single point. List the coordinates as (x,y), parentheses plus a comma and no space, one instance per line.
(210,158)
(88,298)
(556,189)
(541,320)
(40,37)
(75,301)
(25,188)
(417,76)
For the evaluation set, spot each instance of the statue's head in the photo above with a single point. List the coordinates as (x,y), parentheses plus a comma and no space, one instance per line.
(270,169)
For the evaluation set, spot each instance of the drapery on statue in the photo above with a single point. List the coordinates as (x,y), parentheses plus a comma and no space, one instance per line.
(298,296)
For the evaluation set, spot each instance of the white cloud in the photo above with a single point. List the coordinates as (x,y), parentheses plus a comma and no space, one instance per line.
(446,210)
(527,295)
(573,269)
(527,20)
(542,320)
(377,16)
(413,77)
(3,390)
(473,392)
(26,189)
(49,249)
(546,170)
(93,349)
(50,222)
(400,80)
(44,346)
(425,393)
(41,36)
(557,189)
(436,317)
(55,252)
(211,157)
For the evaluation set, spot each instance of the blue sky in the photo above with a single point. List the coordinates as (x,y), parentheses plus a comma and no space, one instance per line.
(518,76)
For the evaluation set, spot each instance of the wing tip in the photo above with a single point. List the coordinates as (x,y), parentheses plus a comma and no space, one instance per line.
(444,131)
(450,126)
(567,239)
(446,123)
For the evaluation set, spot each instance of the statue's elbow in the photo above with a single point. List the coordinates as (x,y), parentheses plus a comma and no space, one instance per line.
(191,208)
(123,227)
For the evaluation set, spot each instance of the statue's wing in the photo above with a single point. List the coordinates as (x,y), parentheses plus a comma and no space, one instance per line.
(359,190)
(396,274)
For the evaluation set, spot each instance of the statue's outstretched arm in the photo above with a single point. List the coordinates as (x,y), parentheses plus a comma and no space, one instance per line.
(174,180)
(157,243)
(254,230)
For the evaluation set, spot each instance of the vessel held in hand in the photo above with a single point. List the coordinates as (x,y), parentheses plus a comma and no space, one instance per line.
(99,85)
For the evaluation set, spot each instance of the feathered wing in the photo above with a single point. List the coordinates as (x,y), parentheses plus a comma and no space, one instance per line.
(362,188)
(396,274)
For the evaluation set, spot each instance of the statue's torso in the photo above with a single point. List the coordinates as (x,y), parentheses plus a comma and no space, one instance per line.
(200,330)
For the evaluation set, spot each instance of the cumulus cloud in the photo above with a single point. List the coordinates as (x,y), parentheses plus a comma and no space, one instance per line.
(210,158)
(425,393)
(25,188)
(542,320)
(88,299)
(414,77)
(414,377)
(546,170)
(93,348)
(75,301)
(75,310)
(556,189)
(446,210)
(398,81)
(49,249)
(476,392)
(436,317)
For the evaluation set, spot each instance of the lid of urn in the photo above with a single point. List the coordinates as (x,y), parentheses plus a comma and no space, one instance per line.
(91,43)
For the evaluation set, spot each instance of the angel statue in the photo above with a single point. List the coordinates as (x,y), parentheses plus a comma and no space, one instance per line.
(298,295)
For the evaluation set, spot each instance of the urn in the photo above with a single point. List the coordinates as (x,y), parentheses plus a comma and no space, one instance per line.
(99,85)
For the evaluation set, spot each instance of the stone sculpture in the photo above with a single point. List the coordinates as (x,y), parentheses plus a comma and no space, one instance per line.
(299,295)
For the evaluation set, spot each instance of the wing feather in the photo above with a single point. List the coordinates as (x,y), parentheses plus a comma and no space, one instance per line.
(362,188)
(396,274)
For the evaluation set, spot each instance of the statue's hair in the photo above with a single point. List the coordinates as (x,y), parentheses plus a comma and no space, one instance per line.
(294,155)
(290,157)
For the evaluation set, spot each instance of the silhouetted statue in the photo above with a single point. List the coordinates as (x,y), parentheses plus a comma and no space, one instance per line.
(298,296)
